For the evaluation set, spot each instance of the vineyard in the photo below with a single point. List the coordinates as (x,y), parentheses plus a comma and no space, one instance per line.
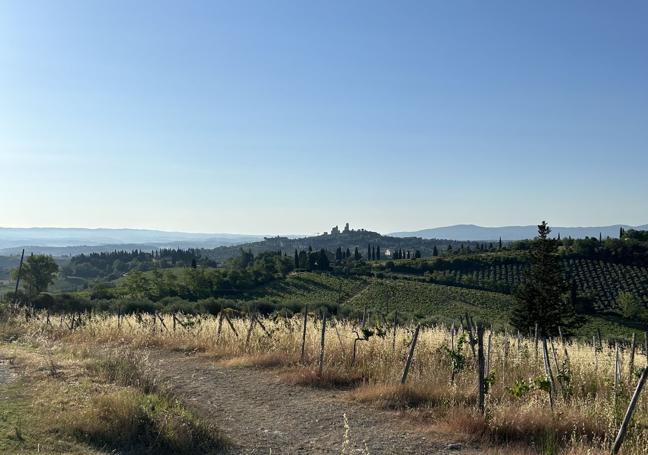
(414,299)
(571,399)
(598,280)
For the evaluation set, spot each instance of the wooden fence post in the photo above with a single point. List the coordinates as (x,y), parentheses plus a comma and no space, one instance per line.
(564,345)
(481,367)
(249,333)
(395,327)
(600,339)
(548,373)
(220,325)
(617,367)
(632,356)
(489,350)
(303,346)
(321,358)
(22,257)
(408,363)
(628,416)
(536,342)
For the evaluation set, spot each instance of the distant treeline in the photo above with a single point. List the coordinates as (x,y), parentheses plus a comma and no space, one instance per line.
(114,264)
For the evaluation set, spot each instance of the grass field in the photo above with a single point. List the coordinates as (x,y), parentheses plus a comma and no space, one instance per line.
(440,390)
(74,401)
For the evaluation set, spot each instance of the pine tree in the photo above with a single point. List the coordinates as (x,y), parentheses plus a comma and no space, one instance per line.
(541,296)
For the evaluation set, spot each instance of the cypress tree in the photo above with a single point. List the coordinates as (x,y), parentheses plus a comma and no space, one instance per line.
(296,259)
(541,296)
(373,253)
(356,254)
(378,252)
(368,252)
(348,252)
(323,261)
(500,243)
(435,251)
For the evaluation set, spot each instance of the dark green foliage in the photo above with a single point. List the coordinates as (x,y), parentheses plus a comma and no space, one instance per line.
(37,273)
(540,299)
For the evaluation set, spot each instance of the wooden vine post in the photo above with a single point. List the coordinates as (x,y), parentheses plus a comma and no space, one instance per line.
(633,347)
(548,373)
(250,328)
(395,327)
(22,257)
(410,355)
(481,367)
(303,345)
(220,325)
(536,342)
(628,415)
(321,357)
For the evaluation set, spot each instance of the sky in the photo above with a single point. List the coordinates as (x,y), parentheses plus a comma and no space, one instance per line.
(291,117)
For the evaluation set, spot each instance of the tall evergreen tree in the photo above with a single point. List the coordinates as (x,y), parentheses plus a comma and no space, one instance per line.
(373,253)
(541,296)
(368,252)
(348,252)
(378,252)
(500,243)
(296,259)
(435,251)
(356,254)
(323,261)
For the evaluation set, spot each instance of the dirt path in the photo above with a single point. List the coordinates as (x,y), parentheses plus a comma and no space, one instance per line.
(262,415)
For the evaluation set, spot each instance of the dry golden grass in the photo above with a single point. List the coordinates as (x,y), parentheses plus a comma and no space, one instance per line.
(329,379)
(409,396)
(74,402)
(586,415)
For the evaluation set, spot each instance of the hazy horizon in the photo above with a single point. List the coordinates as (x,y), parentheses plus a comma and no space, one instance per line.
(258,118)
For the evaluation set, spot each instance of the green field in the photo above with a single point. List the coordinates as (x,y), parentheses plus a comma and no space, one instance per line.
(431,302)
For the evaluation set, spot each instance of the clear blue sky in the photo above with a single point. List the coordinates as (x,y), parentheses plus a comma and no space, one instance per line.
(290,117)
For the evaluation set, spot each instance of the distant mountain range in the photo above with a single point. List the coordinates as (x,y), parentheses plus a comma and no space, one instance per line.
(464,232)
(61,241)
(72,241)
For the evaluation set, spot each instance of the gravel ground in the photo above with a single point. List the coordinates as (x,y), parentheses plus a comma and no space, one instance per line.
(262,415)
